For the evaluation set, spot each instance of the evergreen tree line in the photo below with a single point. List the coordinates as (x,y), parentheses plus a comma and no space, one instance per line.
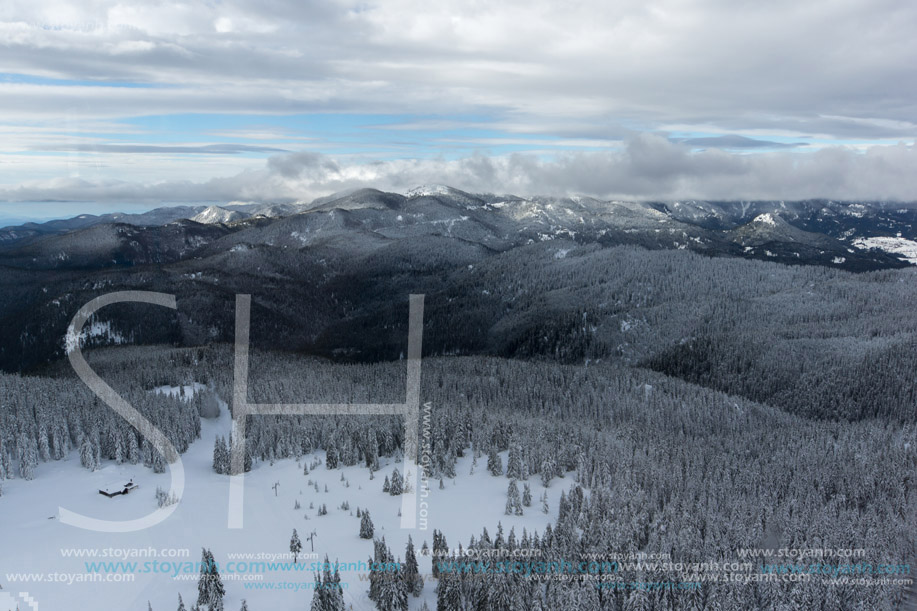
(43,418)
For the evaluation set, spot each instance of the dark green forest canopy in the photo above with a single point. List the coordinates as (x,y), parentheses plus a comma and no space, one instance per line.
(812,340)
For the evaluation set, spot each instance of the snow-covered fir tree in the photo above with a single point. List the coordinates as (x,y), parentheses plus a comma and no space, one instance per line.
(513,500)
(221,457)
(210,590)
(396,486)
(295,546)
(494,462)
(366,525)
(412,576)
(328,594)
(28,457)
(514,462)
(88,455)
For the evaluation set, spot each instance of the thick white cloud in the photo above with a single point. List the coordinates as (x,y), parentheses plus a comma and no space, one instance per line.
(818,67)
(587,71)
(650,167)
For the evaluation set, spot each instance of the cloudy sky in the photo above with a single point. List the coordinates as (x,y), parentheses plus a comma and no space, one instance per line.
(124,102)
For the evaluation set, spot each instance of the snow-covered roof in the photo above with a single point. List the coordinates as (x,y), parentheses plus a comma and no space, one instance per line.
(116,486)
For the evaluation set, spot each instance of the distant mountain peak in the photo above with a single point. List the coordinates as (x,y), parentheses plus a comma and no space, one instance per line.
(766,219)
(431,189)
(216,214)
(770,227)
(447,193)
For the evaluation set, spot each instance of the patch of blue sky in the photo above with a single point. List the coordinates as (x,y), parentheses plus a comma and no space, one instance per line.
(17,213)
(32,153)
(32,79)
(334,133)
(798,143)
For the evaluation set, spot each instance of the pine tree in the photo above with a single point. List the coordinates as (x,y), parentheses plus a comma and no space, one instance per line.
(449,593)
(498,536)
(221,457)
(28,457)
(133,449)
(331,456)
(246,457)
(97,452)
(548,468)
(88,455)
(393,592)
(397,484)
(295,546)
(513,502)
(400,590)
(526,495)
(411,571)
(638,600)
(440,546)
(366,526)
(494,462)
(44,447)
(514,462)
(338,594)
(181,604)
(159,464)
(317,602)
(119,451)
(210,589)
(6,462)
(374,575)
(501,593)
(563,507)
(328,594)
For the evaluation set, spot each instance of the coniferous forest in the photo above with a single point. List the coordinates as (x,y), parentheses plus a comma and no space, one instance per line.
(514,305)
(688,407)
